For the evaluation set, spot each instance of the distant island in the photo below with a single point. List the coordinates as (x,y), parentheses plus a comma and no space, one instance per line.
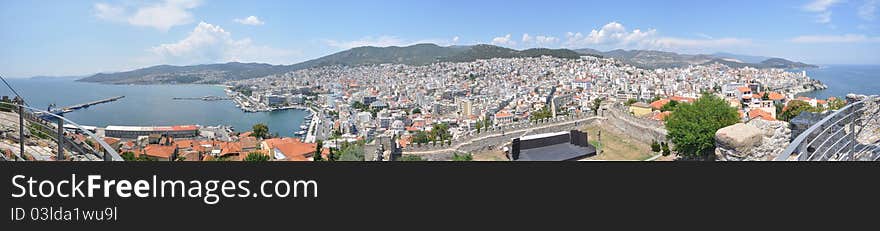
(422,54)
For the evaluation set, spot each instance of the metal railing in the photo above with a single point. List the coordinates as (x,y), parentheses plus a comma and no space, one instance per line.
(836,137)
(28,133)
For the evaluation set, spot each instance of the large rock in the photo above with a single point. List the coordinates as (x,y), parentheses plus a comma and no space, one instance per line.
(752,141)
(739,136)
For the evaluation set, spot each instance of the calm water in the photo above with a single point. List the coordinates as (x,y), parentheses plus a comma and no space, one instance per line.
(150,105)
(845,79)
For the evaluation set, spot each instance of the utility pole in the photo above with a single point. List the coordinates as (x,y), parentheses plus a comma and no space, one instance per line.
(60,140)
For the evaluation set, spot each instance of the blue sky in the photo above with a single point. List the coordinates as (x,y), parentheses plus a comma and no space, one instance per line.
(84,37)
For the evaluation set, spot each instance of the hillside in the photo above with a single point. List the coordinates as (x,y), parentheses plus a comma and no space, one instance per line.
(650,59)
(206,74)
(419,54)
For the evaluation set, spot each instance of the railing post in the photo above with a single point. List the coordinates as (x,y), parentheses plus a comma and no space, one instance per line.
(60,141)
(21,131)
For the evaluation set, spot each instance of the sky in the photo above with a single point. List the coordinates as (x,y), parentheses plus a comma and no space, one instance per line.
(83,37)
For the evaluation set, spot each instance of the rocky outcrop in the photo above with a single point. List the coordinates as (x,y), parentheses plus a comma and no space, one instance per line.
(757,140)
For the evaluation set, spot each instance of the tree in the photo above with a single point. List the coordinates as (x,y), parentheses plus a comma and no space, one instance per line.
(261,131)
(330,156)
(596,104)
(692,126)
(836,104)
(417,111)
(544,113)
(410,158)
(462,157)
(766,96)
(665,148)
(670,106)
(256,157)
(351,152)
(318,148)
(793,109)
(630,102)
(655,147)
(420,137)
(128,156)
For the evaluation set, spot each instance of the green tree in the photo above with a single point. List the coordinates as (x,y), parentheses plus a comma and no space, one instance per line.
(462,157)
(670,106)
(544,113)
(330,155)
(793,109)
(692,126)
(417,111)
(351,152)
(319,146)
(420,137)
(655,147)
(128,156)
(766,96)
(630,102)
(256,157)
(261,131)
(665,148)
(836,104)
(596,104)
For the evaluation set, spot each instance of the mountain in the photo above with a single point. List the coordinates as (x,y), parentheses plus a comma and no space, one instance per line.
(419,54)
(650,59)
(741,58)
(783,63)
(205,74)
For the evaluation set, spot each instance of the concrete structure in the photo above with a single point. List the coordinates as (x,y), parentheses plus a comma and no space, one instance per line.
(132,132)
(560,146)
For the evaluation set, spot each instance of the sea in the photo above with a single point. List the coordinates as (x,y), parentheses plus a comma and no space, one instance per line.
(844,79)
(150,105)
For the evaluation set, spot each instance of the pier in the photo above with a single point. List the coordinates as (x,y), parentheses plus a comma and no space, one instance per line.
(71,108)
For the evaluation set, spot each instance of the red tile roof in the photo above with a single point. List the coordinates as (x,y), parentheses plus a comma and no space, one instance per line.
(758,113)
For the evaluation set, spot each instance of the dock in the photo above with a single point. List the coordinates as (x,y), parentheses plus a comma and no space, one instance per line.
(96,102)
(71,108)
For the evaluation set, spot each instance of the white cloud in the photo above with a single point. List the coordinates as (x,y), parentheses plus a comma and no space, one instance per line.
(820,5)
(160,15)
(503,41)
(612,33)
(546,40)
(250,20)
(615,35)
(846,38)
(539,40)
(868,10)
(210,44)
(109,12)
(387,41)
(822,8)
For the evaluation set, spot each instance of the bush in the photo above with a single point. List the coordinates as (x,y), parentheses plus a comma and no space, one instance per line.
(462,157)
(256,157)
(692,127)
(655,147)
